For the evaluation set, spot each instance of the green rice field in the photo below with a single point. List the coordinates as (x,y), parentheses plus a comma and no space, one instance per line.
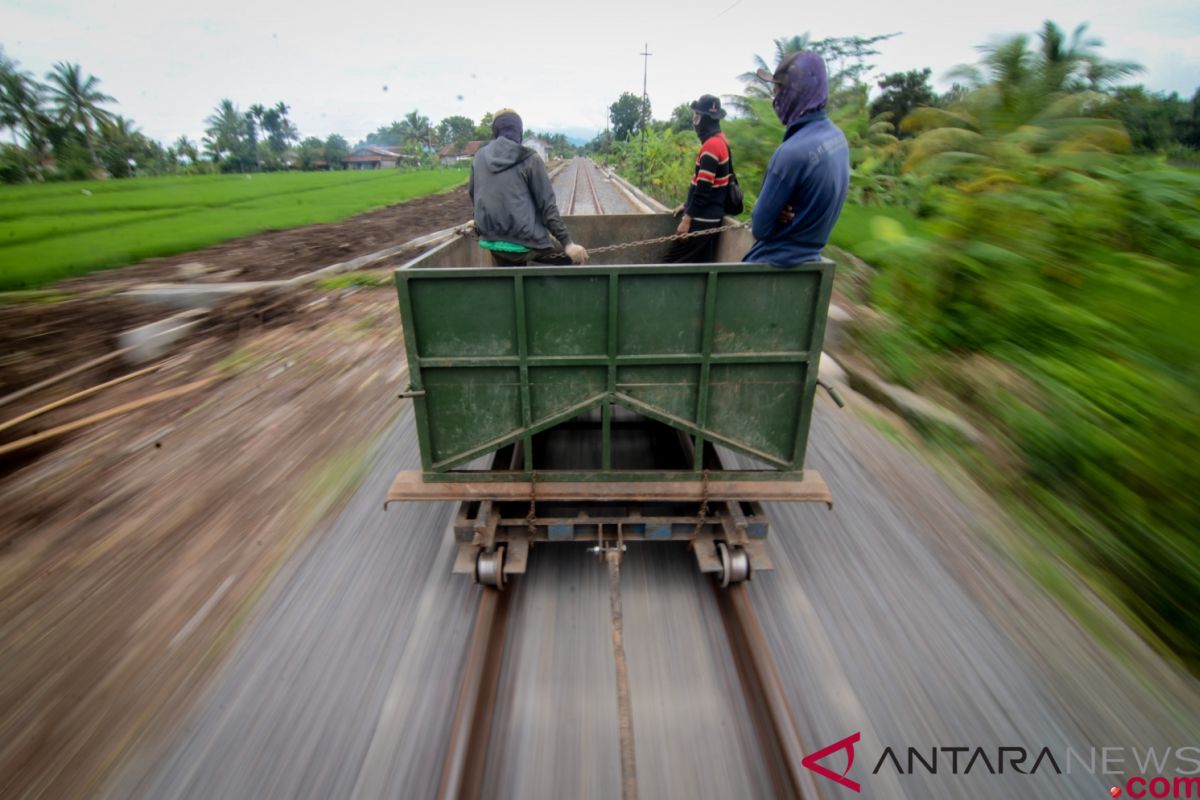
(54,231)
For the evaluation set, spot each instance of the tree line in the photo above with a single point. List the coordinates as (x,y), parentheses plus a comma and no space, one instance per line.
(420,138)
(62,128)
(1156,122)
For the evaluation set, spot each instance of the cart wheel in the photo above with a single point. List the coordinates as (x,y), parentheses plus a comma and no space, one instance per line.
(489,568)
(735,564)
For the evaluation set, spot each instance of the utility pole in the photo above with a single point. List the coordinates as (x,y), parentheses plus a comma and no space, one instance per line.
(645,101)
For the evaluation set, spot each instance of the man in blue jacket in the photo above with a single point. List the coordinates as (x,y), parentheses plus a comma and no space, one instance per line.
(807,178)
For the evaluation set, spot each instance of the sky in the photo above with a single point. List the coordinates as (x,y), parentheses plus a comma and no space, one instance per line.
(350,68)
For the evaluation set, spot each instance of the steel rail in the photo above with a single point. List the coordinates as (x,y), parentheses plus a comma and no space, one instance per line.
(574,190)
(766,701)
(599,209)
(466,754)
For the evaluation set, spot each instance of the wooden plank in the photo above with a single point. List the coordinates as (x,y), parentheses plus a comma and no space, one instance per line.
(103,415)
(78,396)
(409,485)
(95,362)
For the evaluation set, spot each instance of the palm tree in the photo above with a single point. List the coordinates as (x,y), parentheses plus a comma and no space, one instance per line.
(77,101)
(280,130)
(1015,83)
(756,86)
(287,132)
(21,110)
(226,132)
(417,129)
(186,148)
(21,104)
(120,142)
(1076,66)
(256,113)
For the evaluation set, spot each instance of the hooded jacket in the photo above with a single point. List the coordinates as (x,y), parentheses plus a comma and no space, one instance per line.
(811,173)
(513,199)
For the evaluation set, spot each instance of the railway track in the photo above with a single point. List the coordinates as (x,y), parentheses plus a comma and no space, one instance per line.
(764,697)
(583,177)
(762,702)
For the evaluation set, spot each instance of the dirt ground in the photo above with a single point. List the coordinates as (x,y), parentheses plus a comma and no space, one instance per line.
(283,254)
(39,340)
(132,549)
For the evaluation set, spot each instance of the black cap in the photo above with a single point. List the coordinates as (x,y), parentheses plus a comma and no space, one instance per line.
(709,106)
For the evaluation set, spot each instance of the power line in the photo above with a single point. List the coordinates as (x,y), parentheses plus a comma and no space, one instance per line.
(645,102)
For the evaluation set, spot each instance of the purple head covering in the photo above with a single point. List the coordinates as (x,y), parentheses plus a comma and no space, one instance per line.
(803,86)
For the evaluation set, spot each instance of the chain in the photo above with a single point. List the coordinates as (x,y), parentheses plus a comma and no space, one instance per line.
(664,239)
(703,505)
(469,230)
(532,515)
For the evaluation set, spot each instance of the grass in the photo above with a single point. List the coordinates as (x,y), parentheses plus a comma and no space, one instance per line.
(363,279)
(34,297)
(859,225)
(55,231)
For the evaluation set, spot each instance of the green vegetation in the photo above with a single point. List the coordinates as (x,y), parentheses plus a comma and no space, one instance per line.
(1047,290)
(1036,268)
(54,231)
(363,279)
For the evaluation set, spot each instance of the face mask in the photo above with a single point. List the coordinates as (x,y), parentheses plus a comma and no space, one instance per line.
(706,127)
(805,89)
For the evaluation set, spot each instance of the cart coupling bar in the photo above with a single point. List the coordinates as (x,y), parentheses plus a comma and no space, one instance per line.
(833,393)
(411,392)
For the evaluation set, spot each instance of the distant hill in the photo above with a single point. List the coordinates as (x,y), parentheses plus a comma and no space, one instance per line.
(576,136)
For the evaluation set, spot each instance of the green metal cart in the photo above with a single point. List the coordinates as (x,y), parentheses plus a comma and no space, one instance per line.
(608,401)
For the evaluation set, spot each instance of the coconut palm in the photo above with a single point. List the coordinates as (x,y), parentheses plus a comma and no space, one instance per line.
(186,148)
(21,109)
(287,132)
(1074,66)
(279,129)
(77,101)
(417,129)
(845,58)
(254,118)
(756,86)
(1016,83)
(227,134)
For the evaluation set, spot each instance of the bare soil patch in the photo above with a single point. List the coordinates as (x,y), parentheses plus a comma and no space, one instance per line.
(273,255)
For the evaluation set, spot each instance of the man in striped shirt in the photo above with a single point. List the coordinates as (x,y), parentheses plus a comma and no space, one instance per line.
(705,204)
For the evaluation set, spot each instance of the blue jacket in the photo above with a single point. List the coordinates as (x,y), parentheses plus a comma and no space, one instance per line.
(810,172)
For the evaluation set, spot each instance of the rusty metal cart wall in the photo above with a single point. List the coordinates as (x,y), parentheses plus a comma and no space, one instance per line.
(515,362)
(725,352)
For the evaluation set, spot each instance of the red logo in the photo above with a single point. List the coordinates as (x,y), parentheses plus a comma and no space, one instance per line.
(846,744)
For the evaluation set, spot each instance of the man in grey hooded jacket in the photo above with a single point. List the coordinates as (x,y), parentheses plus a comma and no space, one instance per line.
(515,209)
